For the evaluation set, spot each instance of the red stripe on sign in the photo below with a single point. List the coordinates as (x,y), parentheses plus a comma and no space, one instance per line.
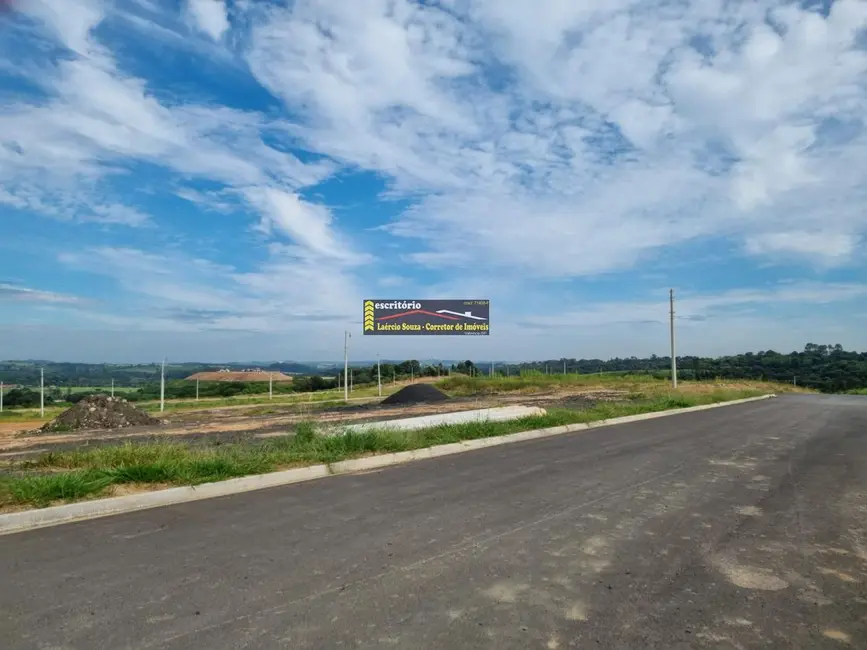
(418,311)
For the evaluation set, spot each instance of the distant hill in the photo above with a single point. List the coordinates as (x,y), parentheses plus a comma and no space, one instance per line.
(244,375)
(825,367)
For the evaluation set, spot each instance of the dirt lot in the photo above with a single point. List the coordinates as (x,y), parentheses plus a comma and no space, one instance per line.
(232,424)
(239,376)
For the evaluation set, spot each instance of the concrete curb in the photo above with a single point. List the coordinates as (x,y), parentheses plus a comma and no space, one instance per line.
(498,414)
(30,519)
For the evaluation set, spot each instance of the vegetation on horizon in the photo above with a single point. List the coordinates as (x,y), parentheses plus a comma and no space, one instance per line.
(634,384)
(826,368)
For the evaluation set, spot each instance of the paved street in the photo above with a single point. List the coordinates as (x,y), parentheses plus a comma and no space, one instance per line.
(740,527)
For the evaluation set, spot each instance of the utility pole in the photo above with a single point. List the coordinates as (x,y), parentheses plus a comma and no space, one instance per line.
(42,392)
(378,375)
(197,390)
(564,366)
(351,379)
(270,385)
(112,387)
(1,396)
(346,336)
(794,383)
(492,368)
(673,353)
(163,387)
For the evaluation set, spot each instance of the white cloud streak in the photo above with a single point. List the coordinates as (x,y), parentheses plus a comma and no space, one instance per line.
(18,293)
(699,307)
(165,290)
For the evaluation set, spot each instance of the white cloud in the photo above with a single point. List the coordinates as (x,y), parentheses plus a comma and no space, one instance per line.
(533,142)
(606,128)
(698,307)
(211,16)
(118,215)
(71,22)
(820,245)
(172,290)
(73,204)
(308,224)
(59,154)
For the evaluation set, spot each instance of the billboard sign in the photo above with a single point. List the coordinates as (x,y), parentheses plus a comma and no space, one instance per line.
(427,317)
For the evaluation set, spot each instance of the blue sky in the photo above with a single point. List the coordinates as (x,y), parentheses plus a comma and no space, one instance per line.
(212,179)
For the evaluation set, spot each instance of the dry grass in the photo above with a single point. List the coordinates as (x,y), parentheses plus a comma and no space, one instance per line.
(239,376)
(635,385)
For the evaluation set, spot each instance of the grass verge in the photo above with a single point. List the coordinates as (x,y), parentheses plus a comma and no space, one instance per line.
(462,385)
(59,477)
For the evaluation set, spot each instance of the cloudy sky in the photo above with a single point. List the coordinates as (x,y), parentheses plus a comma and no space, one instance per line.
(227,179)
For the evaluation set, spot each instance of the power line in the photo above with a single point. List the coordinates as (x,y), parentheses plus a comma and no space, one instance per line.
(163,386)
(346,337)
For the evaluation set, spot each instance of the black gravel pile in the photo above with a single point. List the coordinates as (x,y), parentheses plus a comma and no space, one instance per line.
(415,394)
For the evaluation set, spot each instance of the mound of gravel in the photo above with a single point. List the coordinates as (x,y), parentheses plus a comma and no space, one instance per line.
(100,412)
(415,394)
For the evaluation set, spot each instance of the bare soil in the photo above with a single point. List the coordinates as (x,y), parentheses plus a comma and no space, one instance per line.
(236,424)
(239,376)
(100,412)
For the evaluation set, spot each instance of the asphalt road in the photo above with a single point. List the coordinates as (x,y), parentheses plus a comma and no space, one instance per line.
(742,527)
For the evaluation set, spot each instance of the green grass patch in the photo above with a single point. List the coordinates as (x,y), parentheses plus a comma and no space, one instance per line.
(462,385)
(73,475)
(118,390)
(320,397)
(42,490)
(32,414)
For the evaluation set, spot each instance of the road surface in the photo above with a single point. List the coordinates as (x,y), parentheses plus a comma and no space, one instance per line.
(741,527)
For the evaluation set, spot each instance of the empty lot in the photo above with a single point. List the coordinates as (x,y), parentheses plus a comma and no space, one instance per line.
(741,527)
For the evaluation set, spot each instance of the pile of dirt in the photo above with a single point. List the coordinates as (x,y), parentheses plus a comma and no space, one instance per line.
(100,412)
(415,394)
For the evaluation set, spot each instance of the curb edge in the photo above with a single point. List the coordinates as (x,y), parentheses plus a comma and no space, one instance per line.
(32,519)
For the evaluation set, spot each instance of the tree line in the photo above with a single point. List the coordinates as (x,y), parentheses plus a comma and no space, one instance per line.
(828,368)
(27,373)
